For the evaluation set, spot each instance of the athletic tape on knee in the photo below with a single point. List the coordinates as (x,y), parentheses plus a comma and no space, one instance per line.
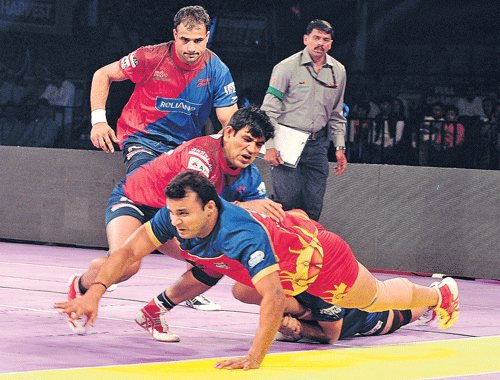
(203,277)
(396,293)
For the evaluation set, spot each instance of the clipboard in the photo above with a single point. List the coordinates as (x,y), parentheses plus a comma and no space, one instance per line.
(289,142)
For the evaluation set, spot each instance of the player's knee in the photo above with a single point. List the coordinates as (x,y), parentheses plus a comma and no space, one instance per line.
(396,293)
(238,292)
(246,294)
(96,264)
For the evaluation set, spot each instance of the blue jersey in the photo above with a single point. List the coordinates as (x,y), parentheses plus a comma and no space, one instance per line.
(171,101)
(238,246)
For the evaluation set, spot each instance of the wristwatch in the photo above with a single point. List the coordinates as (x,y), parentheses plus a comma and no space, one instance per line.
(340,148)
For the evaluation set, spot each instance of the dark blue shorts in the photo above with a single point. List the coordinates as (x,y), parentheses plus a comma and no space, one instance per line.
(119,204)
(136,153)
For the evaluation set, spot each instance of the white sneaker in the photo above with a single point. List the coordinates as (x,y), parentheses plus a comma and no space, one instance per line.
(152,318)
(202,303)
(79,325)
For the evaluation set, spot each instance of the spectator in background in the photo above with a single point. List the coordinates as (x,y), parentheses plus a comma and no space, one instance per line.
(388,132)
(448,140)
(432,123)
(487,104)
(403,146)
(361,132)
(470,104)
(11,126)
(60,93)
(35,86)
(11,86)
(43,131)
(486,154)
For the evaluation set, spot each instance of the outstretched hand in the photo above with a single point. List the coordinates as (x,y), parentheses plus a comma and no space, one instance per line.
(80,306)
(266,207)
(243,362)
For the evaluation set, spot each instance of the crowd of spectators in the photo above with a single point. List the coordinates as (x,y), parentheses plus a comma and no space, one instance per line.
(464,132)
(42,105)
(43,111)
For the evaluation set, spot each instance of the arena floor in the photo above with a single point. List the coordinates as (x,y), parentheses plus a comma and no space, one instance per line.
(36,342)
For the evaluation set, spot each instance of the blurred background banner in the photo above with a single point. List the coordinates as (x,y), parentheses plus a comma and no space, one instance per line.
(36,16)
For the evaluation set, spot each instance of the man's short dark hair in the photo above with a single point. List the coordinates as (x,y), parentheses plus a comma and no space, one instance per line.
(257,121)
(322,25)
(191,17)
(196,182)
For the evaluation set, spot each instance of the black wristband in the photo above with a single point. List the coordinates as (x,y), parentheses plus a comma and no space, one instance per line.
(99,283)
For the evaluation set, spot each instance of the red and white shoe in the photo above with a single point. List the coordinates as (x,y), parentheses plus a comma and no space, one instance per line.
(152,318)
(448,307)
(79,325)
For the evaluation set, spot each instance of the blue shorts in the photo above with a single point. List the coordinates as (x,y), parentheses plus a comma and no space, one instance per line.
(321,310)
(119,204)
(137,153)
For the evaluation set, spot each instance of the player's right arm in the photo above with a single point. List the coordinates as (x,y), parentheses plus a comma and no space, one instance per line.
(135,248)
(102,135)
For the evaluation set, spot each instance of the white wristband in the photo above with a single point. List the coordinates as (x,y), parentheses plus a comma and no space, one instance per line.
(98,116)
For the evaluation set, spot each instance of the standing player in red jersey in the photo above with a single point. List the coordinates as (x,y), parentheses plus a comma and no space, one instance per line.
(176,85)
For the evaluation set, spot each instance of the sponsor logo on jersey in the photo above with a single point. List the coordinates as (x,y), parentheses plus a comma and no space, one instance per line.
(203,155)
(303,85)
(133,60)
(255,258)
(221,265)
(262,189)
(177,105)
(331,311)
(195,163)
(125,63)
(160,75)
(230,88)
(203,82)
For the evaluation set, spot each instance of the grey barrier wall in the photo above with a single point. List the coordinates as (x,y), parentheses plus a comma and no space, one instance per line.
(397,218)
(56,195)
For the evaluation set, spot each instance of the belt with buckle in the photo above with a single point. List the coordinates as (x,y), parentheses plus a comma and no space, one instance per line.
(318,134)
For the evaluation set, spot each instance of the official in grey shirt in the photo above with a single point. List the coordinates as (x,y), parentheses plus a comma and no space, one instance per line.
(306,92)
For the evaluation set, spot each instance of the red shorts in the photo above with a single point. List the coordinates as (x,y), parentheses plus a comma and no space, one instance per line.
(339,270)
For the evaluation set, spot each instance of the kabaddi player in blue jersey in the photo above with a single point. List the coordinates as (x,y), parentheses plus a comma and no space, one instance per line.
(221,238)
(176,85)
(226,160)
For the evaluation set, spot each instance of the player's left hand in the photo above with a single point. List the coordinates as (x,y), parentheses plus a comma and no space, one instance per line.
(243,362)
(341,162)
(266,207)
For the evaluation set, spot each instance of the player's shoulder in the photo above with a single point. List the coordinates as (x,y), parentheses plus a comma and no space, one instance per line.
(209,144)
(213,61)
(162,47)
